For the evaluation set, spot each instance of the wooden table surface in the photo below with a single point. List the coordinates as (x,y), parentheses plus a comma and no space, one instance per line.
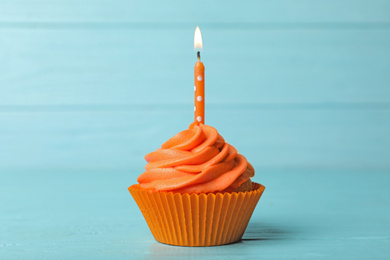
(301,88)
(90,215)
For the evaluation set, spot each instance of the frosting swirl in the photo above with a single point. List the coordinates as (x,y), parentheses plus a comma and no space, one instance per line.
(196,160)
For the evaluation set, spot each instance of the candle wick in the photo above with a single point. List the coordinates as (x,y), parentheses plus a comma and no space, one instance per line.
(198,55)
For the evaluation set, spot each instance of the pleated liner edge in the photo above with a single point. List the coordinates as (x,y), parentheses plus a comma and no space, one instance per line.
(197,219)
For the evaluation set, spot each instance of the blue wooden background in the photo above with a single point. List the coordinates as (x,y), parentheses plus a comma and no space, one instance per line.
(87,88)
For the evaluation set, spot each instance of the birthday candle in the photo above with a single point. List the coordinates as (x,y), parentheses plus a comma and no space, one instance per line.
(199,79)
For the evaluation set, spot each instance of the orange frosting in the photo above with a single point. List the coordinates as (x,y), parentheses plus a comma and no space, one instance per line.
(196,160)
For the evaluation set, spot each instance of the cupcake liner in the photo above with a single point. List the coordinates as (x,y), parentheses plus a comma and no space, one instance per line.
(197,219)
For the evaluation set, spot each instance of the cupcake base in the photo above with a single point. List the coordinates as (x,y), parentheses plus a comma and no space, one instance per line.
(197,219)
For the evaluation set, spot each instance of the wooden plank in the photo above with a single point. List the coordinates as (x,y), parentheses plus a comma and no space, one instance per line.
(269,138)
(199,12)
(137,66)
(308,214)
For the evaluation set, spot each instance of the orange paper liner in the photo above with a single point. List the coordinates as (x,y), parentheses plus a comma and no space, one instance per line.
(206,219)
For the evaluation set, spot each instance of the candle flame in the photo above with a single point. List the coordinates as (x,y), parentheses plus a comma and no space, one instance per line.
(198,43)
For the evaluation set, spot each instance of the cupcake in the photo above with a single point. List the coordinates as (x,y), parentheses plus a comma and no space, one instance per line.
(197,190)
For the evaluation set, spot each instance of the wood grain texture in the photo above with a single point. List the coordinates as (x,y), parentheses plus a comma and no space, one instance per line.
(272,139)
(90,215)
(87,88)
(202,11)
(137,66)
